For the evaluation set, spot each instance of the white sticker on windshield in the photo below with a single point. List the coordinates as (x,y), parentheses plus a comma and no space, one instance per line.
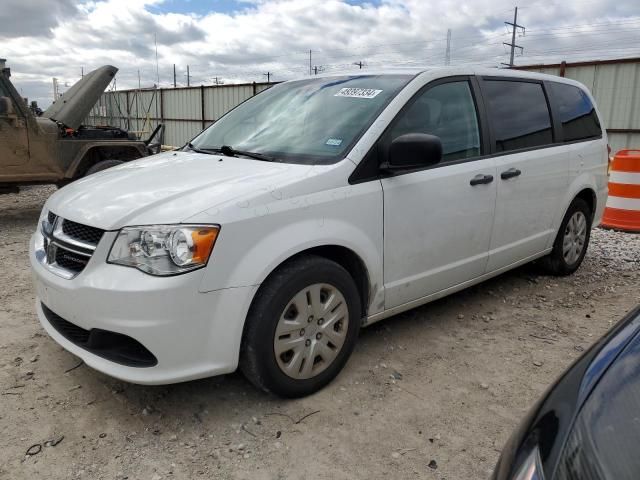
(357,92)
(334,142)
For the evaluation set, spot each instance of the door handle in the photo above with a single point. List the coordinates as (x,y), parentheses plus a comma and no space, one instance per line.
(512,172)
(481,179)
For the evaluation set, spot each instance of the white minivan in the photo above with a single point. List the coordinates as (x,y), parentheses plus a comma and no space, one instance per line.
(314,208)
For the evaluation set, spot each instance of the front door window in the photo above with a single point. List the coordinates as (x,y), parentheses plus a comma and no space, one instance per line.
(448,112)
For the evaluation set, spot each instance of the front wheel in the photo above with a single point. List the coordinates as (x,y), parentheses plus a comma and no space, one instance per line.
(572,240)
(301,328)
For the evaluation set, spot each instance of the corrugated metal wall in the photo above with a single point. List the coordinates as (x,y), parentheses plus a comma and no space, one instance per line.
(615,84)
(184,111)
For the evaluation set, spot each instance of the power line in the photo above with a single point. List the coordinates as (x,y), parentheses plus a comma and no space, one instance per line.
(335,53)
(594,33)
(397,53)
(623,22)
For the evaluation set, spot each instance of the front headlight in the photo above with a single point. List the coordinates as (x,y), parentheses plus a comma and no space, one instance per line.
(164,249)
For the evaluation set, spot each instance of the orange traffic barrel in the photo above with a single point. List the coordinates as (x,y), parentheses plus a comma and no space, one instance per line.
(623,205)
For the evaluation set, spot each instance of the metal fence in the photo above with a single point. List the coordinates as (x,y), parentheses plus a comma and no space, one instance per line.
(184,111)
(615,84)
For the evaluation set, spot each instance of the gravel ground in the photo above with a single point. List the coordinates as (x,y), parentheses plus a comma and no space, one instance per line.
(432,393)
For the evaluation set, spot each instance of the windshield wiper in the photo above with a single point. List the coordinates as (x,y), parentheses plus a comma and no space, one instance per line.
(193,148)
(229,151)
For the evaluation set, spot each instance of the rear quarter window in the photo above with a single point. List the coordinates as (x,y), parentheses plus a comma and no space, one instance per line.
(577,114)
(518,113)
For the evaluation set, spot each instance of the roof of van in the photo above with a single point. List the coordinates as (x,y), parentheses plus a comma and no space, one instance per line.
(451,71)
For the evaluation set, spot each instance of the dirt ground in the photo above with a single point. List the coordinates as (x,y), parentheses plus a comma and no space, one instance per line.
(432,393)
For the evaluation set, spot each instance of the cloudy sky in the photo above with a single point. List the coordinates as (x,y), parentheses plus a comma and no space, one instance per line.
(241,40)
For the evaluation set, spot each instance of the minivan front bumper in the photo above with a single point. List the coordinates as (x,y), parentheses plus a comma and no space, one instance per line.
(190,334)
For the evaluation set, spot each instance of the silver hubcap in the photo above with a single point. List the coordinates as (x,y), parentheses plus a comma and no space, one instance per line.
(575,236)
(311,331)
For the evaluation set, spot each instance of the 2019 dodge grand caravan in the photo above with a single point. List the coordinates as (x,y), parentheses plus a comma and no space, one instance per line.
(312,209)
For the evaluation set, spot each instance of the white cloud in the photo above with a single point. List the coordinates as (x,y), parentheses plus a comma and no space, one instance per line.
(276,36)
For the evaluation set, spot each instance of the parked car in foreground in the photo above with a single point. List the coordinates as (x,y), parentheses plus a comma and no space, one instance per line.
(587,425)
(313,208)
(57,147)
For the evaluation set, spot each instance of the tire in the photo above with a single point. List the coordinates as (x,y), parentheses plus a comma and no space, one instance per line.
(103,165)
(559,262)
(277,318)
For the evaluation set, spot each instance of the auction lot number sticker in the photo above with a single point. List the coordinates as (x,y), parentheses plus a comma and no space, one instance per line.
(354,92)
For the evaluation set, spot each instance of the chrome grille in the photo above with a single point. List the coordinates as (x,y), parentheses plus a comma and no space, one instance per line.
(67,246)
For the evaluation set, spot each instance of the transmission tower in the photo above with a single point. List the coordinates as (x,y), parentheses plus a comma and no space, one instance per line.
(514,28)
(447,54)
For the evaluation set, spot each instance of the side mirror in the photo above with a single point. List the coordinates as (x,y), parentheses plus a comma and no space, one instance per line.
(414,150)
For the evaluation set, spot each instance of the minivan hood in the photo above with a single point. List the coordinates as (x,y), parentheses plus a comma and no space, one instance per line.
(170,188)
(75,104)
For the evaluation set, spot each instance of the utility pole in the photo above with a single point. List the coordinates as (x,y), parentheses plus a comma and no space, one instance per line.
(55,89)
(360,64)
(138,105)
(317,68)
(82,72)
(513,45)
(216,81)
(447,54)
(155,40)
(268,75)
(188,77)
(309,62)
(174,76)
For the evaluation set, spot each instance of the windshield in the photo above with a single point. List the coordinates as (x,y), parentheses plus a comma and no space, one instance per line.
(314,121)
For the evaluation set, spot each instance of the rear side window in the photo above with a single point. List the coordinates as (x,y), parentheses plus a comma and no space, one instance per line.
(518,113)
(577,115)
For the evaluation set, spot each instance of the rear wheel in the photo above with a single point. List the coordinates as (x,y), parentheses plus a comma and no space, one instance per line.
(103,165)
(302,327)
(572,240)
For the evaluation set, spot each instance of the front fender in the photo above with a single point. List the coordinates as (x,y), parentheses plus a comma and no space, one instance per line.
(248,250)
(76,166)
